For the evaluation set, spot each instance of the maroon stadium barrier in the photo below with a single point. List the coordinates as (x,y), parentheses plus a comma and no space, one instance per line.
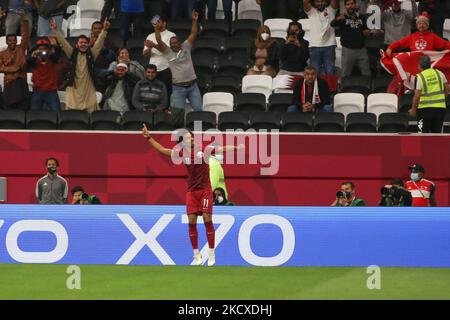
(121,168)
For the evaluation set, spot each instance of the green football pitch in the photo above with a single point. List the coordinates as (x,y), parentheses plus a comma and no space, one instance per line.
(22,281)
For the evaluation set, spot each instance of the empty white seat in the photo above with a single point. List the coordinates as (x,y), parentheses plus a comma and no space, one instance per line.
(90,9)
(379,103)
(218,102)
(447,29)
(278,27)
(249,9)
(99,97)
(346,103)
(257,84)
(306,24)
(81,26)
(30,81)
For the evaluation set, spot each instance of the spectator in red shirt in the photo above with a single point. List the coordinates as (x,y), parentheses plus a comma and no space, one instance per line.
(43,61)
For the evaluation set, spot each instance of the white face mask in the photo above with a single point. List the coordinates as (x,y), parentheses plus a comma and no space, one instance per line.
(265,36)
(219,199)
(414,176)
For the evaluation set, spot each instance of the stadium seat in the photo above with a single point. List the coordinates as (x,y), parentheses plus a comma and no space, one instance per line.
(405,102)
(356,84)
(446,126)
(278,27)
(329,122)
(379,103)
(163,121)
(297,122)
(207,118)
(80,26)
(12,119)
(361,122)
(73,120)
(265,121)
(218,102)
(306,26)
(204,83)
(90,9)
(182,28)
(338,53)
(233,121)
(42,120)
(257,84)
(381,83)
(446,32)
(346,103)
(393,122)
(204,65)
(249,9)
(208,46)
(245,28)
(214,29)
(237,47)
(412,123)
(250,102)
(105,120)
(132,120)
(233,67)
(220,14)
(225,84)
(279,102)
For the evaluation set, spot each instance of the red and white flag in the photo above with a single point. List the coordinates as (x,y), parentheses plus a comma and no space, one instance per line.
(405,65)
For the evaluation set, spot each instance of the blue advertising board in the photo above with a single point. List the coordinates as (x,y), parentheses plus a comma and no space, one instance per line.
(260,236)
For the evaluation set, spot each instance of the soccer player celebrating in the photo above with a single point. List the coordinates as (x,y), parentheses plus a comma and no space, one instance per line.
(199,196)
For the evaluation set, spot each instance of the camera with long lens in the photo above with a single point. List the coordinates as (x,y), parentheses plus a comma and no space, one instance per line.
(342,194)
(43,55)
(395,196)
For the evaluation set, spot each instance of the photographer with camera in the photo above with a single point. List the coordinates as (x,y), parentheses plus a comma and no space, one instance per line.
(294,53)
(43,61)
(346,197)
(79,196)
(395,195)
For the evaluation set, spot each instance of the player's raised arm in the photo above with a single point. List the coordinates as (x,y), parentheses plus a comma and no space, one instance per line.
(231,148)
(154,143)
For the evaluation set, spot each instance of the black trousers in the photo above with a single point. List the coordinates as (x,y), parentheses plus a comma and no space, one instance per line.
(280,9)
(430,120)
(166,77)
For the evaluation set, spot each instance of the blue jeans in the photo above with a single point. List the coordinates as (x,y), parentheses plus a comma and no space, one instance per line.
(182,9)
(44,26)
(325,108)
(323,59)
(180,94)
(40,98)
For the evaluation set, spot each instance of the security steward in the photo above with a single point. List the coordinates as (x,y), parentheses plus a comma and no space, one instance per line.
(429,98)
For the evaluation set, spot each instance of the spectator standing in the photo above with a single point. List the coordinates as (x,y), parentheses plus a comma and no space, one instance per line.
(43,61)
(108,7)
(184,79)
(13,65)
(119,92)
(157,57)
(429,98)
(322,41)
(422,190)
(150,94)
(294,53)
(265,47)
(49,10)
(279,9)
(108,51)
(133,66)
(81,78)
(13,9)
(181,9)
(132,13)
(436,10)
(311,94)
(397,22)
(375,37)
(353,29)
(212,9)
(52,188)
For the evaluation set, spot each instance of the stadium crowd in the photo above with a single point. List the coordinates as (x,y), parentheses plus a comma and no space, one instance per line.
(157,55)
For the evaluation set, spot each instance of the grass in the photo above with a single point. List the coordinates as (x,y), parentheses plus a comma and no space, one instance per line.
(25,281)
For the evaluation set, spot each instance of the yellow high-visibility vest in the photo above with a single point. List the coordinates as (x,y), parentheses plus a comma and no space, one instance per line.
(432,89)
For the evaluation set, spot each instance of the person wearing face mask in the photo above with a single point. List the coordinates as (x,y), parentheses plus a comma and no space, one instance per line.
(346,197)
(422,190)
(220,198)
(52,188)
(265,47)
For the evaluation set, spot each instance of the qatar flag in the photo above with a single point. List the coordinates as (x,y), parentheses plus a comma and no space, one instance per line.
(405,65)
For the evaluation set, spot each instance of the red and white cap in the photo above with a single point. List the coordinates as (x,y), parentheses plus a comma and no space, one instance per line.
(424,17)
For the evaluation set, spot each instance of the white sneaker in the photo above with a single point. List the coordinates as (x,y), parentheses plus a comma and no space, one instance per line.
(211,260)
(198,261)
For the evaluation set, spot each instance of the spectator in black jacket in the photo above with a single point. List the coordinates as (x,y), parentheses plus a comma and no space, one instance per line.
(353,32)
(150,94)
(311,94)
(265,47)
(294,54)
(119,93)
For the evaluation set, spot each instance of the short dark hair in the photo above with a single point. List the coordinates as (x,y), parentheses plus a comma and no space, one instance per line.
(424,62)
(398,182)
(151,66)
(11,35)
(82,37)
(54,159)
(122,48)
(96,22)
(351,184)
(76,189)
(311,68)
(294,23)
